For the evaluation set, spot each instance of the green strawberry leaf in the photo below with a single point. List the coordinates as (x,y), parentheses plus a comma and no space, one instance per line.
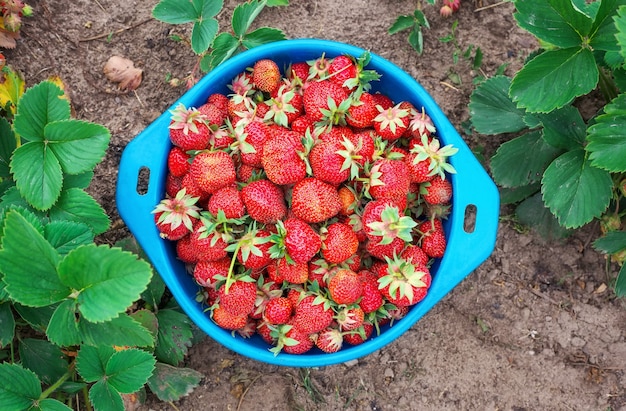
(78,145)
(606,25)
(121,331)
(612,242)
(22,241)
(620,35)
(545,82)
(40,186)
(106,281)
(262,36)
(63,328)
(516,194)
(620,283)
(491,109)
(38,106)
(43,358)
(202,35)
(104,397)
(556,22)
(174,336)
(37,317)
(76,205)
(7,331)
(224,46)
(19,387)
(91,361)
(523,160)
(607,137)
(563,128)
(401,23)
(243,16)
(574,190)
(65,236)
(128,370)
(170,383)
(533,213)
(8,144)
(175,11)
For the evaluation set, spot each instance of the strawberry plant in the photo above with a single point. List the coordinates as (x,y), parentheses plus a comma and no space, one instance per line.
(563,170)
(416,21)
(77,317)
(11,13)
(213,48)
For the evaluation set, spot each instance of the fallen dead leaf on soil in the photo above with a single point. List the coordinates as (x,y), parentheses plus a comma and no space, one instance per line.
(123,71)
(7,39)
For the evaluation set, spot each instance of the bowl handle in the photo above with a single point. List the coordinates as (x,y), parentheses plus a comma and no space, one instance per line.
(474,220)
(142,159)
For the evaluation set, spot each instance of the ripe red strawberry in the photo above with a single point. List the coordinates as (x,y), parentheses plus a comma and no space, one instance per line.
(433,240)
(327,164)
(429,149)
(284,107)
(206,273)
(345,287)
(301,124)
(282,159)
(191,187)
(292,272)
(329,340)
(214,115)
(437,191)
(207,246)
(266,75)
(226,320)
(265,331)
(227,199)
(173,185)
(298,72)
(264,201)
(178,161)
(254,248)
(251,142)
(314,201)
(383,222)
(341,70)
(415,255)
(301,342)
(312,314)
(296,239)
(212,170)
(317,96)
(379,250)
(220,101)
(362,112)
(188,129)
(402,282)
(383,100)
(391,123)
(360,335)
(419,170)
(238,297)
(185,250)
(350,318)
(372,299)
(319,271)
(339,242)
(389,178)
(278,310)
(175,217)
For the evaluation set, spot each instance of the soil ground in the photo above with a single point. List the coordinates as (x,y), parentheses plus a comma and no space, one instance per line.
(533,328)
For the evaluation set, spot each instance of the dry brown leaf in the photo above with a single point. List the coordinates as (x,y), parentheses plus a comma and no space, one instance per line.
(123,71)
(7,39)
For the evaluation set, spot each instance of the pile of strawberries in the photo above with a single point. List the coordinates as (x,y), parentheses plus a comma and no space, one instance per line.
(308,208)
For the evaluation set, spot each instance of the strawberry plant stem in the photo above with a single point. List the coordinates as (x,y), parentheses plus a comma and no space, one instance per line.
(58,383)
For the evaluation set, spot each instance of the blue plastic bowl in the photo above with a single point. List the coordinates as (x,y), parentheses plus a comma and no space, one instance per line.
(472,187)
